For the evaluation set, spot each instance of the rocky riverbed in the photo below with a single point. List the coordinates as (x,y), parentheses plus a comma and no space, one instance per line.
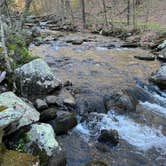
(87,100)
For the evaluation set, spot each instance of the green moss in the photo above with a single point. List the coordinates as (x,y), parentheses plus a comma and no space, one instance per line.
(20,146)
(9,157)
(18,50)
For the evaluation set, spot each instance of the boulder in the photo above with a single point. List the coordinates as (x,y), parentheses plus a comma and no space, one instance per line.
(40,104)
(14,158)
(110,136)
(48,114)
(90,102)
(63,122)
(43,143)
(120,101)
(42,135)
(138,93)
(159,78)
(36,78)
(128,99)
(17,114)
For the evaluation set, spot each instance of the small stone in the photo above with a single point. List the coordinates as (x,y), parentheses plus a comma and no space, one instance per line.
(40,104)
(70,101)
(110,136)
(67,83)
(145,57)
(48,114)
(77,42)
(51,100)
(64,122)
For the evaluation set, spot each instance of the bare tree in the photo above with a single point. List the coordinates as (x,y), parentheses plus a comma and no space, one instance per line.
(63,12)
(83,13)
(25,11)
(128,12)
(105,12)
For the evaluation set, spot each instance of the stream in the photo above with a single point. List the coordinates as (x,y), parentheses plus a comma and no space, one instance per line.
(99,67)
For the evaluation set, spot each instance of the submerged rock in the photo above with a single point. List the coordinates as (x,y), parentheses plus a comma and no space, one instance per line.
(145,57)
(36,78)
(159,78)
(120,101)
(110,136)
(77,42)
(63,122)
(17,114)
(87,103)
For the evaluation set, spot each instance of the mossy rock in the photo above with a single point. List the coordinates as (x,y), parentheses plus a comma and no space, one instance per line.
(96,163)
(14,158)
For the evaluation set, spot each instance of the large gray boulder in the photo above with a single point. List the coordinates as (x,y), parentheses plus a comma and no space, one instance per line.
(42,141)
(159,78)
(36,78)
(17,114)
(43,136)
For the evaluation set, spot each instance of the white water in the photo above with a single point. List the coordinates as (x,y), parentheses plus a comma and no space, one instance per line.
(82,129)
(141,136)
(155,108)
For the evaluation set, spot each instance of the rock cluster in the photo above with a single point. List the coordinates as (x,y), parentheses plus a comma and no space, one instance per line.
(34,125)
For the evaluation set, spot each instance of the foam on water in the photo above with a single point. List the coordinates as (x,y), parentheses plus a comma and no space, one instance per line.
(141,136)
(82,129)
(101,48)
(155,108)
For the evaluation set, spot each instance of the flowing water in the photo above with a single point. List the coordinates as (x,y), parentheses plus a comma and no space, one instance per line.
(99,66)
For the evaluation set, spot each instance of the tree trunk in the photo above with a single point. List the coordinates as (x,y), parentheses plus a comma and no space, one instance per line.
(4,54)
(25,11)
(83,13)
(68,6)
(105,12)
(62,12)
(134,14)
(128,13)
